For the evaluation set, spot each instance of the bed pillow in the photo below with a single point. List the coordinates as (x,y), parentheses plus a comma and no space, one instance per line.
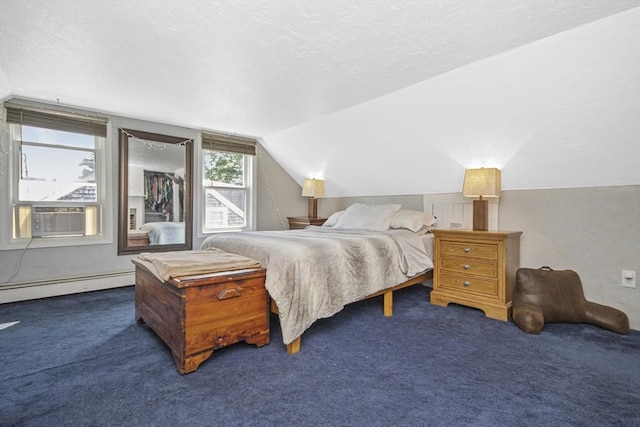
(367,217)
(415,221)
(333,219)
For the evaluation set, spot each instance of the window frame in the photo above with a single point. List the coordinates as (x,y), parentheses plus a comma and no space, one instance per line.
(11,146)
(250,181)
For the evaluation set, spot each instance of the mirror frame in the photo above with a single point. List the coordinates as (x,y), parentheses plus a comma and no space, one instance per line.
(123,198)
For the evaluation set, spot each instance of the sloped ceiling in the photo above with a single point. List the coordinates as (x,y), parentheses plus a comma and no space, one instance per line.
(257,67)
(560,112)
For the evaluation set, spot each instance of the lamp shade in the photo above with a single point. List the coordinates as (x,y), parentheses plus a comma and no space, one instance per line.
(313,187)
(482,182)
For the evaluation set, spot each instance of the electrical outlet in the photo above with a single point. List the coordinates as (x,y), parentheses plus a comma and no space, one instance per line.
(629,278)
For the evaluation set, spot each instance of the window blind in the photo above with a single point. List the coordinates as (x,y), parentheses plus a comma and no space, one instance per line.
(229,144)
(58,121)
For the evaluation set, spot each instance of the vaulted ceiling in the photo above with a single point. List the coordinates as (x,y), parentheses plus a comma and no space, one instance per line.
(257,67)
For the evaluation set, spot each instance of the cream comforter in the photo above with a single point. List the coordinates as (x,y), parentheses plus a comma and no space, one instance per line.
(314,273)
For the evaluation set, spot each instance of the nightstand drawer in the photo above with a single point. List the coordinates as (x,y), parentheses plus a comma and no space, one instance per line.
(470,284)
(469,266)
(475,250)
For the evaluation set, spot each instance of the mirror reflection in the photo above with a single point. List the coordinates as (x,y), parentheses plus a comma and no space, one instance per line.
(156,191)
(155,199)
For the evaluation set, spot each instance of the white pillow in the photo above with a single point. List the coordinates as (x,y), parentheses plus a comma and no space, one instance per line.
(412,220)
(333,219)
(367,217)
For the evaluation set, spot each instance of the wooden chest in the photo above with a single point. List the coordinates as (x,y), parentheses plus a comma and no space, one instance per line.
(195,315)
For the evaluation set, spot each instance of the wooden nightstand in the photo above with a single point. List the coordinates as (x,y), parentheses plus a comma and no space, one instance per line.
(300,222)
(477,269)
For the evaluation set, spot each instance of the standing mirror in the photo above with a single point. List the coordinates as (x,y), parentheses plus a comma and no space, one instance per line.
(155,202)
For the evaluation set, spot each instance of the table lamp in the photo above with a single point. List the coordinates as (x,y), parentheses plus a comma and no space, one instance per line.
(482,182)
(313,188)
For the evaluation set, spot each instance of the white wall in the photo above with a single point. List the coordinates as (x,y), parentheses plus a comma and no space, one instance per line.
(560,112)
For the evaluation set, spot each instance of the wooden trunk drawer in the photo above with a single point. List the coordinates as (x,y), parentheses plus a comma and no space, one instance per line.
(470,284)
(470,266)
(475,250)
(195,315)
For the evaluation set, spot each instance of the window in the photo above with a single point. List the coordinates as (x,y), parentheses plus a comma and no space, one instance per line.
(227,182)
(56,166)
(57,177)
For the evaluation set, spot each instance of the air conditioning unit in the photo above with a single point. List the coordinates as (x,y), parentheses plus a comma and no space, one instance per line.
(57,221)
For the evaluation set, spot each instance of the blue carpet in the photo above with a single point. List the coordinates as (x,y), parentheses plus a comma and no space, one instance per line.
(81,360)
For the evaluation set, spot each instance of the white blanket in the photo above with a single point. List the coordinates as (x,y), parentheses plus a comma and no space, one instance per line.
(164,233)
(314,273)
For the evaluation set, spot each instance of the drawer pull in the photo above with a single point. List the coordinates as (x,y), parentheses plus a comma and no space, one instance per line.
(466,283)
(466,266)
(229,293)
(467,250)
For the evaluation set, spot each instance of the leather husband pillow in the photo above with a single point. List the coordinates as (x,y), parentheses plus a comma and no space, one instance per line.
(556,296)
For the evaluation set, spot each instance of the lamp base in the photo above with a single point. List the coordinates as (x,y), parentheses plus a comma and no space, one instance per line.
(313,207)
(480,215)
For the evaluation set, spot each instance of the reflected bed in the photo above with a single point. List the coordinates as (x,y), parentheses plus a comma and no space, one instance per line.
(165,233)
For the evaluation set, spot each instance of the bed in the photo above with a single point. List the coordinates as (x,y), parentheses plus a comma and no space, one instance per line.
(164,233)
(313,273)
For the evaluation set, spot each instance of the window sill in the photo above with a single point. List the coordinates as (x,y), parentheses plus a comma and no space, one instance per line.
(54,242)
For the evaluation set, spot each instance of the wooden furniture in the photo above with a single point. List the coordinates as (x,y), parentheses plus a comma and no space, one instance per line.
(138,238)
(294,347)
(477,269)
(300,222)
(195,315)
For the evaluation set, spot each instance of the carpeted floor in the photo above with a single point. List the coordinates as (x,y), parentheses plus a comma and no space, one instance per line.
(82,360)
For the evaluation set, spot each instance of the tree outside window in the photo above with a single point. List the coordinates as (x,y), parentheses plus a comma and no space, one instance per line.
(225,190)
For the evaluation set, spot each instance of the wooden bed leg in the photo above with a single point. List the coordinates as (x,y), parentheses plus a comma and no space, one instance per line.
(388,304)
(294,347)
(274,307)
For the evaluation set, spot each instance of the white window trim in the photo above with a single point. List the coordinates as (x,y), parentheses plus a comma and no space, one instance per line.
(200,200)
(9,176)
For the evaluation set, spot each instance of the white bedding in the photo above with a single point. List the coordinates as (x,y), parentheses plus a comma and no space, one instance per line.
(427,239)
(314,273)
(165,233)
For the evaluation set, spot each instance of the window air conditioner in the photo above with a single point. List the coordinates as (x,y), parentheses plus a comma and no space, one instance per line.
(57,221)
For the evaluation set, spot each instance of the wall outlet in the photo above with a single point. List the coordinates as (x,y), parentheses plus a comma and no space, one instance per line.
(629,278)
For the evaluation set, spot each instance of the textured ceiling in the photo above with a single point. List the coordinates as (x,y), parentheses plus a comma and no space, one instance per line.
(256,67)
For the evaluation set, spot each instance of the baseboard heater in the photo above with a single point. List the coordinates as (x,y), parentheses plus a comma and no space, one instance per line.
(22,291)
